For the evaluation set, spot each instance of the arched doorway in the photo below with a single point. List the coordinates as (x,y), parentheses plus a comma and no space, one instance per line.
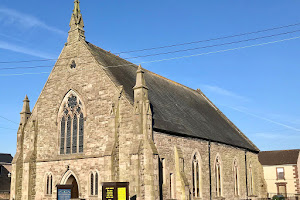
(72,181)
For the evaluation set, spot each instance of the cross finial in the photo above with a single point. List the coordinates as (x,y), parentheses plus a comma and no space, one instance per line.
(76,10)
(76,25)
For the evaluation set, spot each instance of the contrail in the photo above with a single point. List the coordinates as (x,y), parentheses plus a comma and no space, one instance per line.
(263,118)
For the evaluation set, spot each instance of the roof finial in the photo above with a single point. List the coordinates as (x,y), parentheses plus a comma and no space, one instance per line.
(76,10)
(76,24)
(25,113)
(140,79)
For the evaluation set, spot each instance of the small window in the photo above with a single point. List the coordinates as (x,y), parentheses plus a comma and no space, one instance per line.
(196,175)
(251,181)
(236,178)
(73,64)
(280,173)
(218,177)
(49,184)
(162,170)
(94,184)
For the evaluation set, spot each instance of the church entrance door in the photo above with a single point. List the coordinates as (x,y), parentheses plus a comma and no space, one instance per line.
(74,190)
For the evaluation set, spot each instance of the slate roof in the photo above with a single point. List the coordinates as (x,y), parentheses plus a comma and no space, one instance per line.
(177,109)
(279,157)
(5,158)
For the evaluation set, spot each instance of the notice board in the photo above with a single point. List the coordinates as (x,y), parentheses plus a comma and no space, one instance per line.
(64,192)
(115,191)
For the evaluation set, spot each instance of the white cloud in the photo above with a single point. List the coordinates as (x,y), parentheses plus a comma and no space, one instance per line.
(10,16)
(24,50)
(222,91)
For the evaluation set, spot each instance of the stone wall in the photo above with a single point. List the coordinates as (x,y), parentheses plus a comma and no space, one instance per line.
(96,91)
(165,145)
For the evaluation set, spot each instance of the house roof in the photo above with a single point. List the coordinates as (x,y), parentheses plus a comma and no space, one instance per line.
(5,158)
(279,157)
(176,108)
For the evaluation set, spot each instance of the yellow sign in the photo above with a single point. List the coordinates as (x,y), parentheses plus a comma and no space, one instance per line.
(109,193)
(121,193)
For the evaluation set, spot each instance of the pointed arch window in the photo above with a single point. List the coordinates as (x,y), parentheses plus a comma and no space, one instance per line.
(72,126)
(218,178)
(196,174)
(49,184)
(251,180)
(94,184)
(236,178)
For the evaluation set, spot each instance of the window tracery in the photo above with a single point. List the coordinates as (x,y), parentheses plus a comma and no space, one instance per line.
(72,132)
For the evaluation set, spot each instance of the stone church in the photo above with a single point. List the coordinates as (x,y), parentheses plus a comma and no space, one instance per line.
(100,118)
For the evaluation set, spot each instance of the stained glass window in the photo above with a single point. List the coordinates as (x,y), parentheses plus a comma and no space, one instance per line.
(72,126)
(74,142)
(72,102)
(68,143)
(81,123)
(62,137)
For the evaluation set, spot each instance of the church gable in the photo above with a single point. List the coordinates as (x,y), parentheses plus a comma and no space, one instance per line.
(75,75)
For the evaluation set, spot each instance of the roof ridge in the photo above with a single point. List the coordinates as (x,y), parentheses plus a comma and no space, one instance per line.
(282,150)
(132,64)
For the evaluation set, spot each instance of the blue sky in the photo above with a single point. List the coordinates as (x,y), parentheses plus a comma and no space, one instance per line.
(257,87)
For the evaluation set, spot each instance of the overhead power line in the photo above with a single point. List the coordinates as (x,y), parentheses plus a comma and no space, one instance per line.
(10,68)
(164,53)
(27,61)
(9,120)
(180,57)
(215,45)
(21,74)
(168,46)
(212,39)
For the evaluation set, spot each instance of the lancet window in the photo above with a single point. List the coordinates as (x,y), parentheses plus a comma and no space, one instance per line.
(196,175)
(94,181)
(250,180)
(218,174)
(49,184)
(236,178)
(72,126)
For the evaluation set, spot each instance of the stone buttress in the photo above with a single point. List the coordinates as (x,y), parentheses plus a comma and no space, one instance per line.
(144,155)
